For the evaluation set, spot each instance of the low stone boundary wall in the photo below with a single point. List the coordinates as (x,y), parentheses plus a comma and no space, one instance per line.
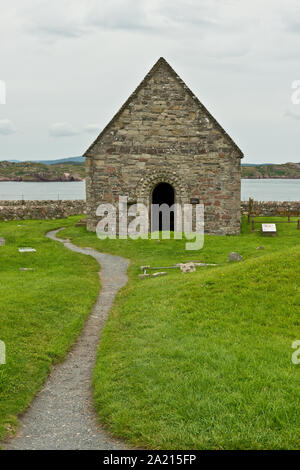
(18,210)
(271,208)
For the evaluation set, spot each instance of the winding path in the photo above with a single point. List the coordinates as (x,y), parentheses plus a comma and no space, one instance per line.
(62,415)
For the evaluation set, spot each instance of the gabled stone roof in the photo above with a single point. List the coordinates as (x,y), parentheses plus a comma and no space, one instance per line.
(162,61)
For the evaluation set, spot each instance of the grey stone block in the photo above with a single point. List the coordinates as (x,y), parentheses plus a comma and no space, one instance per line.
(143,276)
(233,256)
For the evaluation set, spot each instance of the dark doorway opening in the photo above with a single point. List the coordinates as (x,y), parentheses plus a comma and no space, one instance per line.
(163,193)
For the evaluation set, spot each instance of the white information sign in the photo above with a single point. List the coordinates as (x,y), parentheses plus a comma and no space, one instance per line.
(268,228)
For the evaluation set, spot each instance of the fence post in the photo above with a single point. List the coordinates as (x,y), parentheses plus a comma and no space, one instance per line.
(250,208)
(253,225)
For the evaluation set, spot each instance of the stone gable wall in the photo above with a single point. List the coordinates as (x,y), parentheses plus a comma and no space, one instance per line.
(163,135)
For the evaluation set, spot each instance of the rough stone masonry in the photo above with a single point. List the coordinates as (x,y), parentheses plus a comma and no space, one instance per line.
(163,134)
(20,210)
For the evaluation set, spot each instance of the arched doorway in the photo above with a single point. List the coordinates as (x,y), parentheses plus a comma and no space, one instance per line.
(163,193)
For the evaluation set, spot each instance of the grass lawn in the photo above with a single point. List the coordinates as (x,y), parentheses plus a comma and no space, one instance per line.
(203,360)
(41,312)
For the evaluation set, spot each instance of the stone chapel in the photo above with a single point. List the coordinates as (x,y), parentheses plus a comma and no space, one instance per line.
(163,146)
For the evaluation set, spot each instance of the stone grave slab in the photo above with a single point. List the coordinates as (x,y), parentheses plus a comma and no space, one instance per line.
(27,250)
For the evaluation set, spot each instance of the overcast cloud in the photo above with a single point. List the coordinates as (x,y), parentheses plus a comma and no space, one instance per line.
(62,129)
(70,64)
(6,127)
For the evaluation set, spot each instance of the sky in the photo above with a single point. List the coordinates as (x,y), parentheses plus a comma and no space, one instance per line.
(69,65)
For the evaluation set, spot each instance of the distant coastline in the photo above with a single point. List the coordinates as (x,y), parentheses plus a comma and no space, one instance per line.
(41,172)
(270,177)
(73,169)
(271,171)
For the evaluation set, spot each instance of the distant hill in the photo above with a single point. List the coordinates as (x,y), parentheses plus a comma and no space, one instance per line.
(271,170)
(73,169)
(52,162)
(257,164)
(62,160)
(60,170)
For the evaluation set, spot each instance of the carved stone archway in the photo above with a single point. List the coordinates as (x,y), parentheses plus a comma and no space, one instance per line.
(149,181)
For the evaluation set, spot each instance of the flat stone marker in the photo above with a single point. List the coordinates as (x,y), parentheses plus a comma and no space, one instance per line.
(143,276)
(233,256)
(269,229)
(2,241)
(27,250)
(187,267)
